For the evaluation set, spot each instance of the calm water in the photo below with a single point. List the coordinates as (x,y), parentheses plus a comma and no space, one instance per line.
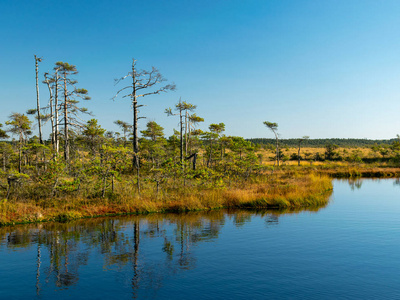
(348,250)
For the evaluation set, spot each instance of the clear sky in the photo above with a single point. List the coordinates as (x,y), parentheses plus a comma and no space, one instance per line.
(319,68)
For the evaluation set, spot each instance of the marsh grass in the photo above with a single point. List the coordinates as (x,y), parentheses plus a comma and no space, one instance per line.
(282,191)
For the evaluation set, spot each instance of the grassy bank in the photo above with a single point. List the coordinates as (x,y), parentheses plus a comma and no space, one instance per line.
(348,170)
(344,169)
(365,172)
(279,191)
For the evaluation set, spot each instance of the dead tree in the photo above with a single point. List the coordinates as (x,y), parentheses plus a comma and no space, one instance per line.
(52,82)
(37,60)
(143,84)
(48,82)
(56,109)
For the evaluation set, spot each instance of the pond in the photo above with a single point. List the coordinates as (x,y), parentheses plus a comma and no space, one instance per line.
(348,249)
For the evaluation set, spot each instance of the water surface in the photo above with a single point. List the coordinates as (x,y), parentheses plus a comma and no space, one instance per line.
(349,249)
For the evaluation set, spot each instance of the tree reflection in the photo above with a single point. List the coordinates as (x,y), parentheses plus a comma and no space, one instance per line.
(145,249)
(272,219)
(355,183)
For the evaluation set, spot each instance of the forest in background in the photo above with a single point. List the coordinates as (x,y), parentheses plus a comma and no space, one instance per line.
(320,143)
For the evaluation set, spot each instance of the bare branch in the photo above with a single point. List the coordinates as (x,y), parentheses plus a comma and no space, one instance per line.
(127,87)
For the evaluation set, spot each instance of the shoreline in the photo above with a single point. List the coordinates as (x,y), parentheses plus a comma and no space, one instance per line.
(307,190)
(288,188)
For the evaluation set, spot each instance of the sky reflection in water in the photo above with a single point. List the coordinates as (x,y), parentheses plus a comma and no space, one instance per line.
(349,249)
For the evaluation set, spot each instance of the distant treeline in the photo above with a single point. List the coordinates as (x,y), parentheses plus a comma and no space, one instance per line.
(322,142)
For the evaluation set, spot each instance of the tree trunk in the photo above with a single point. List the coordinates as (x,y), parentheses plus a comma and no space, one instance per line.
(277,150)
(194,161)
(209,157)
(103,193)
(37,98)
(298,154)
(186,133)
(20,158)
(56,132)
(51,110)
(181,135)
(66,137)
(136,164)
(189,135)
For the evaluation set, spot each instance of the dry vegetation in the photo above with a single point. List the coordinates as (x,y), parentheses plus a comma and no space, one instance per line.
(285,190)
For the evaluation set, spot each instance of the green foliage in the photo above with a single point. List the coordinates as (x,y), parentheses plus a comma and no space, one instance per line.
(270,125)
(67,186)
(3,134)
(330,153)
(217,128)
(319,143)
(20,125)
(66,67)
(93,135)
(101,164)
(153,131)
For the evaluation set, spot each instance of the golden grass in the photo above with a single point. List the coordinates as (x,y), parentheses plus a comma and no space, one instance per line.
(269,155)
(281,191)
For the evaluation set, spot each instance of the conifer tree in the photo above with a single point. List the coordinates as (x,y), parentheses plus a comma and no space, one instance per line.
(19,125)
(94,135)
(182,108)
(3,134)
(274,127)
(69,105)
(125,126)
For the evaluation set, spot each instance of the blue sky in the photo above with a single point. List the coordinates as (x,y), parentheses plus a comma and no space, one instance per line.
(317,68)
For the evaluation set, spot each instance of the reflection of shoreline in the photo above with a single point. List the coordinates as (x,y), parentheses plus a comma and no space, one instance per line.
(172,217)
(357,182)
(63,249)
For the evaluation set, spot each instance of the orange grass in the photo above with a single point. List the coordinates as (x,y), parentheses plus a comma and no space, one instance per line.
(280,191)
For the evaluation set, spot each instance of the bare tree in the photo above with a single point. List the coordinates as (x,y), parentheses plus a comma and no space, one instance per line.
(56,110)
(37,60)
(48,82)
(143,84)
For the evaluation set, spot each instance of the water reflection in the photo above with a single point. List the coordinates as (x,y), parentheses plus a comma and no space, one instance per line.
(355,183)
(396,182)
(146,250)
